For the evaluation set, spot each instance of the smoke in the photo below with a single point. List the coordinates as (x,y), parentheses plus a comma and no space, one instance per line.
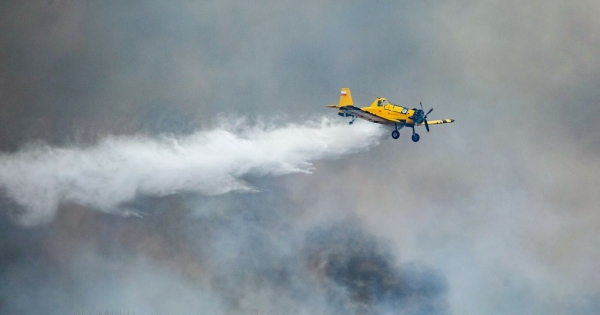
(254,259)
(504,203)
(118,169)
(366,271)
(330,269)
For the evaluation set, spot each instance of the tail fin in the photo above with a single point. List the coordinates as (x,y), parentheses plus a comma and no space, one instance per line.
(345,98)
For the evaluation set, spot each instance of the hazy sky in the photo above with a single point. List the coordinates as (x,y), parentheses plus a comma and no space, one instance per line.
(496,213)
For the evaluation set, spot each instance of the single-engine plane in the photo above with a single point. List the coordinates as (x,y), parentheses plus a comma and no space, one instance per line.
(381,111)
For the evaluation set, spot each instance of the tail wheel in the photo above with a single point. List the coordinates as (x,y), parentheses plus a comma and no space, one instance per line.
(395,134)
(416,137)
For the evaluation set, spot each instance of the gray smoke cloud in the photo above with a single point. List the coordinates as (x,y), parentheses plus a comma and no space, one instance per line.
(503,203)
(248,255)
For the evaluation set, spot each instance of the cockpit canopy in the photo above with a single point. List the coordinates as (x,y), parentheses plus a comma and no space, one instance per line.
(382,102)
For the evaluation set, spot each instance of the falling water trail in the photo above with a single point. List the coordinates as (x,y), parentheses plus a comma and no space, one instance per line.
(103,177)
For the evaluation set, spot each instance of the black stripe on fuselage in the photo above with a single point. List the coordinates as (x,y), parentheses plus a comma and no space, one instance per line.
(355,111)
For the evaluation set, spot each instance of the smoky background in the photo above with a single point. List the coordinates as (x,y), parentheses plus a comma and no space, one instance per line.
(496,213)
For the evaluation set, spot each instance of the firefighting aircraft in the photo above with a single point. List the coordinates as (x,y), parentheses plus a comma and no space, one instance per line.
(383,112)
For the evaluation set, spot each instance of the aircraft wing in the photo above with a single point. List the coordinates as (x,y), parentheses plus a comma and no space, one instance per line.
(437,122)
(355,111)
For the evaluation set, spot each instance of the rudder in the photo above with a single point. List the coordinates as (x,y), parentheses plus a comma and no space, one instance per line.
(345,98)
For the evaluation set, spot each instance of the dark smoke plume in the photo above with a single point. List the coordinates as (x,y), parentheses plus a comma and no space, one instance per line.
(363,269)
(235,258)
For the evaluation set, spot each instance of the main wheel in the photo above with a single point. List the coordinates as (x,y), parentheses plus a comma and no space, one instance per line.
(395,134)
(416,137)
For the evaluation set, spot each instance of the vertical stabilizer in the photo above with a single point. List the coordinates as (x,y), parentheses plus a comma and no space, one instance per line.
(345,98)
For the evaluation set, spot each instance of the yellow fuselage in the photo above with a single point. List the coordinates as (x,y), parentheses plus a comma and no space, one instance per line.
(382,108)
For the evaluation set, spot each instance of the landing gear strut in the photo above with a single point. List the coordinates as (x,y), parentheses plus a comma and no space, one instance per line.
(352,121)
(395,133)
(415,137)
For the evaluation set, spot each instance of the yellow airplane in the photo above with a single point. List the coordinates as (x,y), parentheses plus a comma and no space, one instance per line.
(383,112)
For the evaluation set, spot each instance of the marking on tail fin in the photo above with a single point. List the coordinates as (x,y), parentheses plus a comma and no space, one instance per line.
(345,98)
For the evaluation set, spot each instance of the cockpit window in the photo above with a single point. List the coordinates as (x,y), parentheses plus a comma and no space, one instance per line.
(404,110)
(382,102)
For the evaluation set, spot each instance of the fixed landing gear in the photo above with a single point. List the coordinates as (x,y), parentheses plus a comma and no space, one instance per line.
(415,136)
(352,121)
(395,133)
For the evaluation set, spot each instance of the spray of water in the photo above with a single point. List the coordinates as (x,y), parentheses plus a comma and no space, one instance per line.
(116,170)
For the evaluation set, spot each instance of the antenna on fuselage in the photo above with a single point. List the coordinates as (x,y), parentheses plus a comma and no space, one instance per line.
(363,92)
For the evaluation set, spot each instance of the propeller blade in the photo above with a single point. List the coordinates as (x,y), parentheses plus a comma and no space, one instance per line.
(421,105)
(426,125)
(429,112)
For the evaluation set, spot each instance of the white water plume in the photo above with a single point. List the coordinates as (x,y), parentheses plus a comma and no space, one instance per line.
(210,162)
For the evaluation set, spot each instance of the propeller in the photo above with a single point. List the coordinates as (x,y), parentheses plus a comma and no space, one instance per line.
(425,116)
